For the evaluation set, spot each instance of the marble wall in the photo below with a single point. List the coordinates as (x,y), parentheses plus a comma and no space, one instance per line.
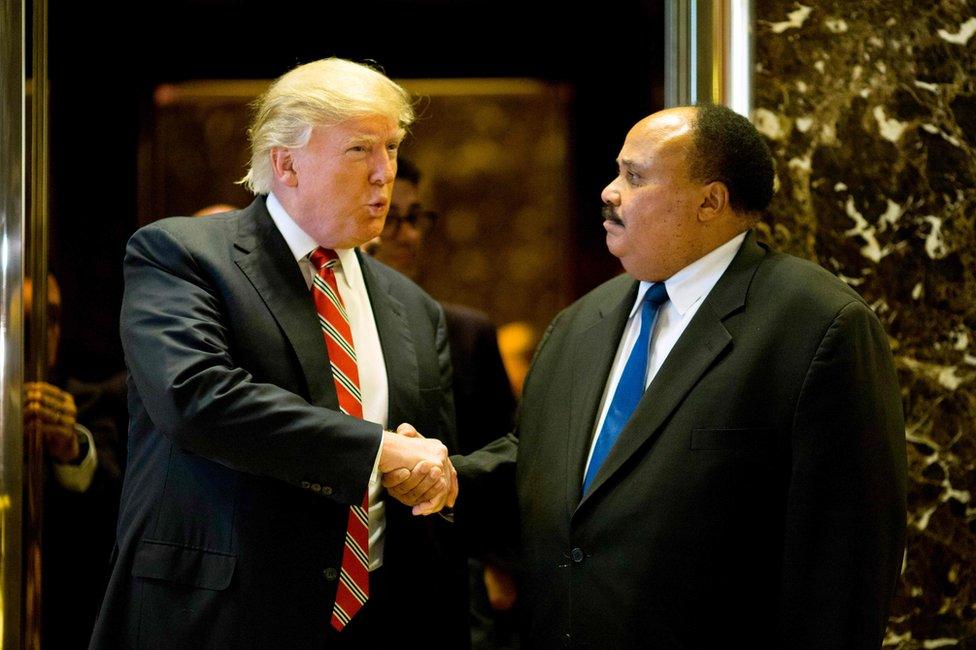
(870,109)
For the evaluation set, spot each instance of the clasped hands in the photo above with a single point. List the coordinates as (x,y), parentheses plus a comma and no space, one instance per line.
(417,471)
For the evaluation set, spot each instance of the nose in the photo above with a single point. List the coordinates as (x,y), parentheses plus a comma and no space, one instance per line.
(610,195)
(384,167)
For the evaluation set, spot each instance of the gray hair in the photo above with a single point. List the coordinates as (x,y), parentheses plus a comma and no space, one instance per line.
(324,92)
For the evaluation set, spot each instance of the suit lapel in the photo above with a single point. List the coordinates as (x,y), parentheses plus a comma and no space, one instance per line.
(692,356)
(264,257)
(399,348)
(596,347)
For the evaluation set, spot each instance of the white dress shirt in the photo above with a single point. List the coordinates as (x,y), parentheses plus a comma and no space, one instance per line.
(77,476)
(687,289)
(369,354)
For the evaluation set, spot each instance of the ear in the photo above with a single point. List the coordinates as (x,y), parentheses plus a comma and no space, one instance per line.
(283,166)
(715,201)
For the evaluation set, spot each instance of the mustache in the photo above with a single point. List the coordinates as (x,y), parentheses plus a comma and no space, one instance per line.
(609,214)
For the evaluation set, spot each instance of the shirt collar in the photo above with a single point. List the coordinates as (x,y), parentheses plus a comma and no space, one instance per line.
(694,281)
(300,243)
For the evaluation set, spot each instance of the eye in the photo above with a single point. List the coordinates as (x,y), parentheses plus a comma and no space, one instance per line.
(358,148)
(393,146)
(633,178)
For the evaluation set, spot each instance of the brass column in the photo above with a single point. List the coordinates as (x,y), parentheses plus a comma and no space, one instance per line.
(12,179)
(708,46)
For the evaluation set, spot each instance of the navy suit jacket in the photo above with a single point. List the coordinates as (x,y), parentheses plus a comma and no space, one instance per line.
(756,497)
(241,467)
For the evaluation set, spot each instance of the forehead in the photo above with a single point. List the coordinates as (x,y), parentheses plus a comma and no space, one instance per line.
(363,126)
(663,137)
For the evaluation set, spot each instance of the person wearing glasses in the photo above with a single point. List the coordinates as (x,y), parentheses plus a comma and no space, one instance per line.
(483,397)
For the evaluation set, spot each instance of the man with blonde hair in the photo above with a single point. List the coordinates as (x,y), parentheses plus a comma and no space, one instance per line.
(268,363)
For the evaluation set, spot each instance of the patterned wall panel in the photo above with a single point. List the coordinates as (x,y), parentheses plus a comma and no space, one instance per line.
(870,109)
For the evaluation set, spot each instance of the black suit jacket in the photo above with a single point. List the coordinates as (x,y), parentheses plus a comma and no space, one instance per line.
(241,466)
(757,495)
(79,527)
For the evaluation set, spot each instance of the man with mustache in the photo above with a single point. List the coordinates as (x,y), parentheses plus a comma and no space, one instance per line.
(710,447)
(268,363)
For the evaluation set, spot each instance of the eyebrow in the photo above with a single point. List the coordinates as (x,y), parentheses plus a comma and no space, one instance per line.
(631,164)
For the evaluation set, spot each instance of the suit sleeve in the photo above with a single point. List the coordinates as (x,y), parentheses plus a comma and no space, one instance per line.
(175,336)
(846,511)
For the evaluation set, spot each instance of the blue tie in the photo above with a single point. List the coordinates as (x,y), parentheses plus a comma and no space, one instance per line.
(630,388)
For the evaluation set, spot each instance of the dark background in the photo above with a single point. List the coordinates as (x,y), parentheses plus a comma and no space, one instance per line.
(104,63)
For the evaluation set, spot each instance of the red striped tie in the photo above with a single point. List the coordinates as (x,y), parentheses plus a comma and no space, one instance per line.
(353,590)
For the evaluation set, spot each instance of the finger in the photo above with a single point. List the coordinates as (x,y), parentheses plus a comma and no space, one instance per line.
(396,477)
(417,475)
(437,492)
(428,507)
(435,500)
(455,488)
(427,485)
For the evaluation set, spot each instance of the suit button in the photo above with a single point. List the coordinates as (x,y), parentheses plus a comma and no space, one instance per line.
(306,484)
(567,641)
(577,554)
(326,490)
(330,574)
(316,487)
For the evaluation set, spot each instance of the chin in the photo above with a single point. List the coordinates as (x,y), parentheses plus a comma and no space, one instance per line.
(613,245)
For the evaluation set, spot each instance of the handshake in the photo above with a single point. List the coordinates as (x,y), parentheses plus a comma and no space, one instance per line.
(416,471)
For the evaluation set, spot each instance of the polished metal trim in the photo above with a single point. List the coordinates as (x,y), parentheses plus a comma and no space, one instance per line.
(12,178)
(709,53)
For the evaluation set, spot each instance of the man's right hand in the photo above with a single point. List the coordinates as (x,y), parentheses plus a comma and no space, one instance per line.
(51,412)
(417,471)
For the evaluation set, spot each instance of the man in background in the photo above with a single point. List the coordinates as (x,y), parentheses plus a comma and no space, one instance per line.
(82,427)
(483,400)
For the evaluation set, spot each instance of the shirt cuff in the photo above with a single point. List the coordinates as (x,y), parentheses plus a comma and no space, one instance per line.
(374,476)
(77,477)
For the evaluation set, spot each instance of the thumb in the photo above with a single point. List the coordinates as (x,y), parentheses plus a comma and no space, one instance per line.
(408,430)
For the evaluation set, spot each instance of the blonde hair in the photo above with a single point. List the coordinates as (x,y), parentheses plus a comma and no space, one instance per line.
(324,92)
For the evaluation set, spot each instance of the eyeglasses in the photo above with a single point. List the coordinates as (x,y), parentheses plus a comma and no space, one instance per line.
(417,218)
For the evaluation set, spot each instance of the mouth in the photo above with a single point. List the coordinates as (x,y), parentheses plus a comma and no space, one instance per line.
(379,206)
(610,216)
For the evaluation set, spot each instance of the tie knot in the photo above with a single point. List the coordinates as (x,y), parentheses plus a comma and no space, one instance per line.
(657,295)
(323,258)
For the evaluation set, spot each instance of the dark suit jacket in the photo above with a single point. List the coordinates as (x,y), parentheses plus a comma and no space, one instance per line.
(756,497)
(483,398)
(241,466)
(79,527)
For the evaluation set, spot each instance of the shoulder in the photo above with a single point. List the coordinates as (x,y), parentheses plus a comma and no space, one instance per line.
(803,286)
(468,318)
(189,232)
